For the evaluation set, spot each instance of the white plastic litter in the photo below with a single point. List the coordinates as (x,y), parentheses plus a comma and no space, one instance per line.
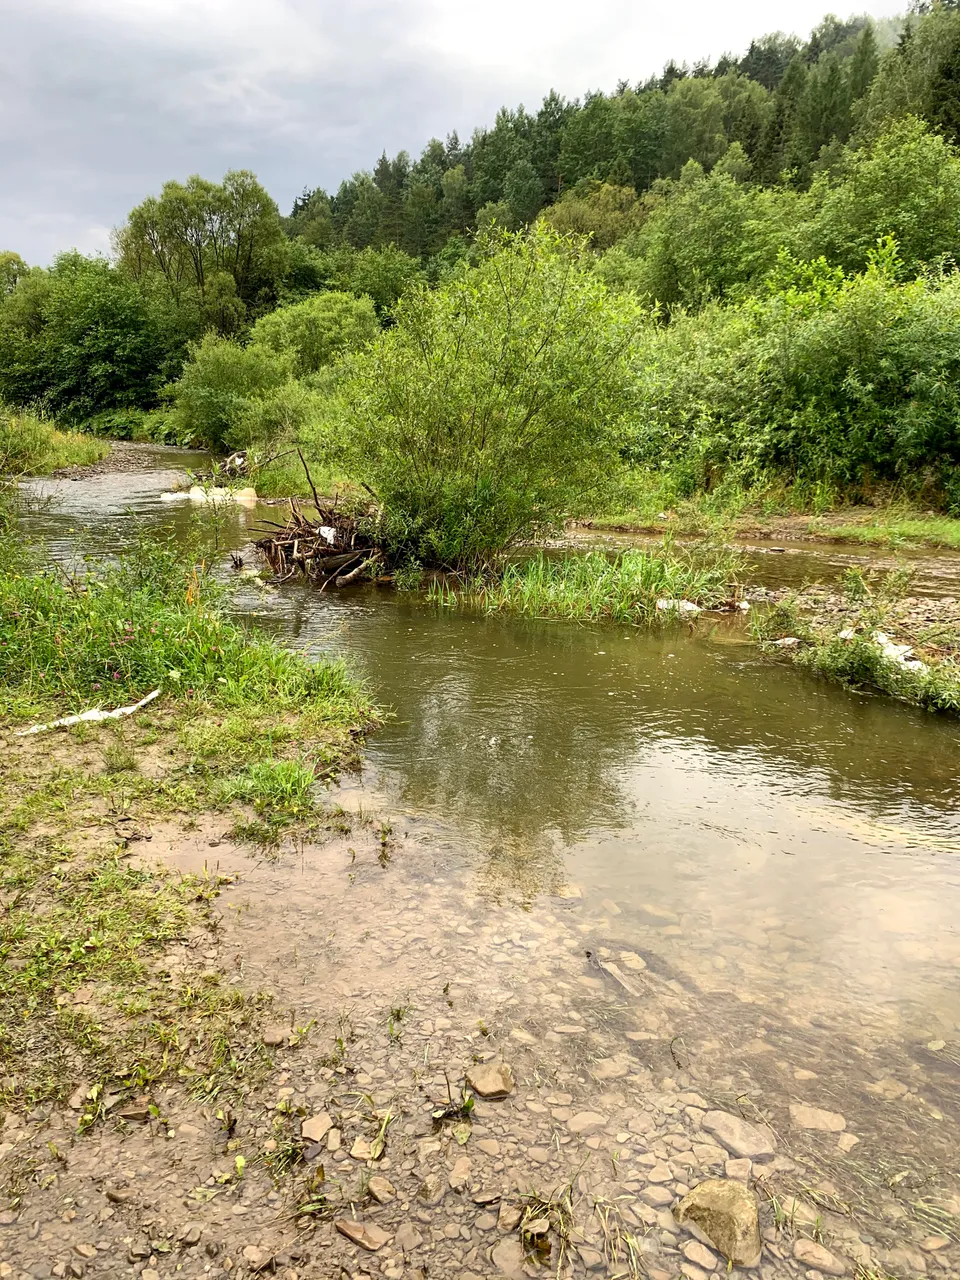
(898,653)
(93,714)
(329,534)
(678,606)
(847,633)
(744,606)
(788,642)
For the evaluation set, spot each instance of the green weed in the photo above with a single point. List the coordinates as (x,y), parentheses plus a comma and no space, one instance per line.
(594,587)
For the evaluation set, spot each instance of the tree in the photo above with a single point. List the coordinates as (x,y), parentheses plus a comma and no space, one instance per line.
(197,233)
(491,407)
(314,332)
(219,384)
(906,183)
(523,192)
(768,58)
(603,212)
(695,124)
(587,147)
(12,269)
(82,339)
(705,237)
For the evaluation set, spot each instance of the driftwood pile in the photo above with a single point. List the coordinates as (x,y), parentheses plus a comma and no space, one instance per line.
(330,549)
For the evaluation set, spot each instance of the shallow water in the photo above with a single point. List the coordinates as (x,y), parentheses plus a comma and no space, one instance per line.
(771,844)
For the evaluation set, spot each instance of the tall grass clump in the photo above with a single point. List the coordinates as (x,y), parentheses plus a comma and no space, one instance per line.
(30,445)
(492,407)
(595,587)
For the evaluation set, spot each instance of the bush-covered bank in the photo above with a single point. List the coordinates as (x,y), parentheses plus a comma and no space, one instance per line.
(870,636)
(243,728)
(31,446)
(726,280)
(632,587)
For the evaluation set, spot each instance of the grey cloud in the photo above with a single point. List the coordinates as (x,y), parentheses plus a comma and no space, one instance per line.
(96,111)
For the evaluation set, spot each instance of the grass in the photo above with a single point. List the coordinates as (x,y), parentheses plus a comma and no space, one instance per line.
(594,587)
(30,445)
(242,724)
(154,619)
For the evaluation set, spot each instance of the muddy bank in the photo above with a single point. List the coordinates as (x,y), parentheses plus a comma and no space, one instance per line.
(628,1084)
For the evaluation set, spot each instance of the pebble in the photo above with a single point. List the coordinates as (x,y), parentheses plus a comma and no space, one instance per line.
(491,1080)
(316,1128)
(811,1254)
(805,1117)
(739,1136)
(696,1252)
(408,1238)
(382,1190)
(366,1234)
(586,1122)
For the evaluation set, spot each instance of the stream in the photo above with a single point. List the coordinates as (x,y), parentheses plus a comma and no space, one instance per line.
(784,854)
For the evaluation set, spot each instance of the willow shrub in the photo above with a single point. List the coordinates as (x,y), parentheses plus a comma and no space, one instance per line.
(493,406)
(846,380)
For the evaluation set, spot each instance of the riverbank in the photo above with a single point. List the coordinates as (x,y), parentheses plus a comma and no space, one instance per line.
(311,983)
(887,527)
(357,1061)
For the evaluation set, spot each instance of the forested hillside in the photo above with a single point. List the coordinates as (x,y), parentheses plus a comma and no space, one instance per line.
(766,247)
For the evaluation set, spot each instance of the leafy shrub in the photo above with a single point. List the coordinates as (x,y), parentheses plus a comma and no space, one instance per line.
(843,380)
(314,332)
(220,382)
(491,408)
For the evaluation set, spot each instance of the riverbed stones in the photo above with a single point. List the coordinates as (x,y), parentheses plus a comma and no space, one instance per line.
(700,1255)
(460,1173)
(508,1257)
(739,1136)
(815,1255)
(726,1213)
(366,1234)
(805,1117)
(491,1080)
(408,1238)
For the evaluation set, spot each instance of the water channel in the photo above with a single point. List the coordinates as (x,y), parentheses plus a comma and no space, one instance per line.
(784,852)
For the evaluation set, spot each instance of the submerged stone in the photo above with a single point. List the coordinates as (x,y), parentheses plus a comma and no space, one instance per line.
(726,1213)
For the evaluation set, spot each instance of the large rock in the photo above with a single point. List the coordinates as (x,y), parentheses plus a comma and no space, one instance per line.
(739,1136)
(805,1117)
(726,1213)
(491,1080)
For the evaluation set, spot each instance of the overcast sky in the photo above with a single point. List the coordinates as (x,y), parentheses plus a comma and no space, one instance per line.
(101,101)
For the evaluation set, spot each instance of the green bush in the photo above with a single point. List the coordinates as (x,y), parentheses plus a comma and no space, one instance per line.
(491,408)
(313,333)
(220,383)
(844,381)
